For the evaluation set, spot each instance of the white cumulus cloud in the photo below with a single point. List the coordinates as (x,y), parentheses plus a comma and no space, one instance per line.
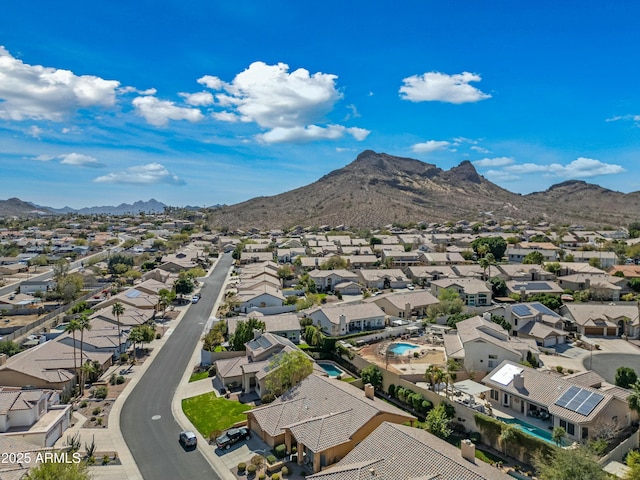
(158,112)
(45,93)
(440,87)
(494,162)
(79,160)
(430,146)
(198,99)
(311,133)
(580,168)
(149,174)
(290,105)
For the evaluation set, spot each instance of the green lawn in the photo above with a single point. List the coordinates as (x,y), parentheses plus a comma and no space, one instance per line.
(208,412)
(198,376)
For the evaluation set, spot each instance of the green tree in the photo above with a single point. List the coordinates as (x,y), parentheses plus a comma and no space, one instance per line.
(558,435)
(434,375)
(136,336)
(84,323)
(633,462)
(438,422)
(634,284)
(496,245)
(69,286)
(287,370)
(72,327)
(552,302)
(313,336)
(569,464)
(450,303)
(39,261)
(334,263)
(9,348)
(533,258)
(60,269)
(498,286)
(373,375)
(166,298)
(625,377)
(183,286)
(126,262)
(634,398)
(507,436)
(118,309)
(59,471)
(244,333)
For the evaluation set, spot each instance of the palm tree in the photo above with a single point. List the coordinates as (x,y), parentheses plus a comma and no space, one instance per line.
(558,435)
(117,310)
(85,324)
(507,436)
(434,375)
(72,327)
(490,261)
(634,398)
(88,369)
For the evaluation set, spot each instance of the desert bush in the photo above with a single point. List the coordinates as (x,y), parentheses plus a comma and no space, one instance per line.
(96,410)
(280,451)
(101,392)
(242,467)
(284,471)
(251,469)
(271,459)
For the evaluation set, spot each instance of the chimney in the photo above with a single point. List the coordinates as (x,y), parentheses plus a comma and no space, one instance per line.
(523,294)
(369,391)
(486,316)
(518,381)
(468,450)
(257,333)
(3,358)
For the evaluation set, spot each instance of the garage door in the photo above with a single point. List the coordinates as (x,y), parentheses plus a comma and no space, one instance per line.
(612,331)
(593,330)
(549,342)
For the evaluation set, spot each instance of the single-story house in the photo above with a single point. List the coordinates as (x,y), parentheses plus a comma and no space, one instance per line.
(577,408)
(394,451)
(336,320)
(383,278)
(323,418)
(603,320)
(404,305)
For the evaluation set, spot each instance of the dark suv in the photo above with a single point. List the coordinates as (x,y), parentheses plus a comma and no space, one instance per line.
(188,439)
(232,436)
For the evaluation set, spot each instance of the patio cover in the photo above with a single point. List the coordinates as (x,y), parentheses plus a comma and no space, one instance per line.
(413,328)
(470,387)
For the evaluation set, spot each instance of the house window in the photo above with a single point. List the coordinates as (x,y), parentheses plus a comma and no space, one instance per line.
(493,357)
(515,322)
(585,432)
(495,395)
(563,424)
(571,429)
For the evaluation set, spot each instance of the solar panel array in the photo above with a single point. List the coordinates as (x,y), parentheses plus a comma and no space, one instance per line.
(521,310)
(542,309)
(132,293)
(579,400)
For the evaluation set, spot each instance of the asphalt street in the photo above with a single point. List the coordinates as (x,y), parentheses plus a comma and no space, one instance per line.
(146,421)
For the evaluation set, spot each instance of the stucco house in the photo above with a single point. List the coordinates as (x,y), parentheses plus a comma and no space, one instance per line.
(404,305)
(323,418)
(474,292)
(534,320)
(326,280)
(342,319)
(603,320)
(285,325)
(480,345)
(569,404)
(260,297)
(383,278)
(394,451)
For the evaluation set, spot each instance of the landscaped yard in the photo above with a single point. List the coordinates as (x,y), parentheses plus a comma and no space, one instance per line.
(198,376)
(209,413)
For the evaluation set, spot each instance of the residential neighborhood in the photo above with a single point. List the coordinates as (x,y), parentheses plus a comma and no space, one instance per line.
(441,340)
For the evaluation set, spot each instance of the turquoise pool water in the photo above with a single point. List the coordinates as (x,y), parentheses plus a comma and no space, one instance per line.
(532,430)
(331,369)
(401,348)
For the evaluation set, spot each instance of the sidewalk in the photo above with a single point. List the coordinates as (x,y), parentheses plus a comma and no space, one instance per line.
(110,439)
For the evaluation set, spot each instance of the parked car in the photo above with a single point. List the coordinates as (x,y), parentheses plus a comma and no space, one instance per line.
(188,439)
(411,287)
(231,436)
(195,298)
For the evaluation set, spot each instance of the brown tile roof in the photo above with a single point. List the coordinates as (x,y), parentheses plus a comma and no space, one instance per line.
(399,452)
(318,398)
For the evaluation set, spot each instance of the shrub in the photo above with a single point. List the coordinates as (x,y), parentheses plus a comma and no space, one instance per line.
(475,437)
(251,469)
(242,467)
(113,379)
(280,451)
(96,410)
(105,459)
(158,336)
(271,459)
(391,390)
(275,476)
(559,368)
(120,380)
(124,358)
(267,398)
(284,471)
(99,420)
(83,404)
(212,371)
(101,392)
(262,476)
(294,450)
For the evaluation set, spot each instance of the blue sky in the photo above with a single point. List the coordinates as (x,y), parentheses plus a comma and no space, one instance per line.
(206,102)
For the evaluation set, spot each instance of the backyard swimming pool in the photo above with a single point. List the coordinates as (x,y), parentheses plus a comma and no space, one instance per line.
(532,430)
(401,348)
(331,369)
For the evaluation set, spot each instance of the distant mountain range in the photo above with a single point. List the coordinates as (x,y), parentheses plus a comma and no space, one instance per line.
(19,208)
(378,189)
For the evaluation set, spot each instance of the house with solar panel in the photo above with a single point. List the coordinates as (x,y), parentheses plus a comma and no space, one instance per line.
(532,288)
(534,321)
(550,400)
